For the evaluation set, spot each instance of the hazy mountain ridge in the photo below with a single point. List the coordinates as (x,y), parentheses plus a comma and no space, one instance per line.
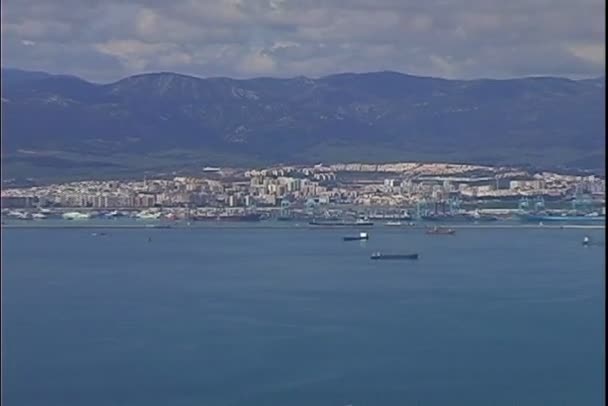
(301,119)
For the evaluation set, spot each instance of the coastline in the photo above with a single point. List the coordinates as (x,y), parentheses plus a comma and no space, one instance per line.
(304,225)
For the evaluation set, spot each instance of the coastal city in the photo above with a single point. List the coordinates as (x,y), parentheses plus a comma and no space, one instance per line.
(396,192)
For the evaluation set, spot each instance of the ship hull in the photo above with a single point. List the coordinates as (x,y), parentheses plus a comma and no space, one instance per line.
(394,257)
(390,218)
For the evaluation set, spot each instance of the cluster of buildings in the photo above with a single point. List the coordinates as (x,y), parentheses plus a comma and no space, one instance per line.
(387,185)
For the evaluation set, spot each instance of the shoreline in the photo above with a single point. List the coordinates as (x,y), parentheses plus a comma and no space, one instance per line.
(294,226)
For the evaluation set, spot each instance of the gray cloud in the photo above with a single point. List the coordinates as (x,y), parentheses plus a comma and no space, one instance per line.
(107,40)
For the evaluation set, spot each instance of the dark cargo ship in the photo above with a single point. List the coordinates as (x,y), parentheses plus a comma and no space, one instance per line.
(379,256)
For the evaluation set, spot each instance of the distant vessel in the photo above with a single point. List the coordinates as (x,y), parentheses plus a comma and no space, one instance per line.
(459,218)
(361,236)
(380,256)
(441,230)
(564,218)
(359,222)
(230,217)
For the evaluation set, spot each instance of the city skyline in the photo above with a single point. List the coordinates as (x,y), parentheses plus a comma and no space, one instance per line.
(385,185)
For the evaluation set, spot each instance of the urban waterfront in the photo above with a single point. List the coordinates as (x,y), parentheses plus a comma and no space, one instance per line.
(262,315)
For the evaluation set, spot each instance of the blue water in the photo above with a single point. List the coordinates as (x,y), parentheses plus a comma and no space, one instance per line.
(230,316)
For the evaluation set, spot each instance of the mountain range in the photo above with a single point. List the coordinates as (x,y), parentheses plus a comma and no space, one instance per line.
(56,125)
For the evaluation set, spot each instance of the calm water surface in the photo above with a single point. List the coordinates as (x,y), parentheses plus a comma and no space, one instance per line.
(230,316)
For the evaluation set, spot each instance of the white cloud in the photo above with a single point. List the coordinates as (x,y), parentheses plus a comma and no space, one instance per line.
(140,55)
(257,62)
(243,38)
(594,53)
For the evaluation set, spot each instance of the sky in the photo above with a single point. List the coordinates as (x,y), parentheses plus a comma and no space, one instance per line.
(105,40)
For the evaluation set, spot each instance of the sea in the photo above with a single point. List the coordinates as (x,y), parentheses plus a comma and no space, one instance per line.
(293,315)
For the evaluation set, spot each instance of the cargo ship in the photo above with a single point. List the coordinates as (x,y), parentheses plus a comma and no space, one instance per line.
(592,218)
(459,218)
(361,223)
(379,256)
(251,217)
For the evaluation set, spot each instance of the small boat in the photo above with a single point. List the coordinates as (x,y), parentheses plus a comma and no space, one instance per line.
(361,237)
(441,230)
(20,215)
(74,215)
(379,256)
(392,223)
(148,215)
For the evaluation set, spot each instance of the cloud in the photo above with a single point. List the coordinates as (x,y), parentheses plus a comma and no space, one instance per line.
(104,41)
(258,63)
(593,53)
